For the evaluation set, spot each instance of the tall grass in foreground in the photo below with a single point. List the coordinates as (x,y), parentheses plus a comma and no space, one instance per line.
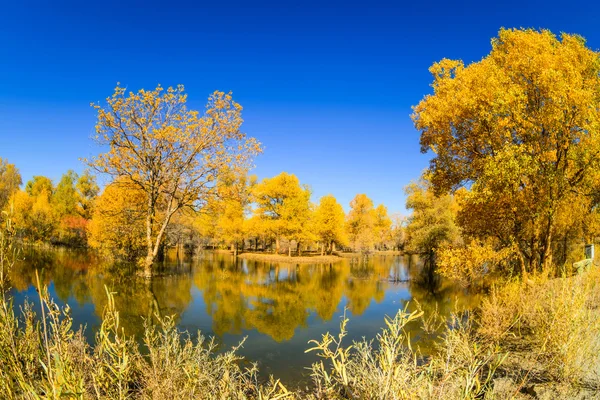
(541,332)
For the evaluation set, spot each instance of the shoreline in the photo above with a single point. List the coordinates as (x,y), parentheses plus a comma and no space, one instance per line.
(280,258)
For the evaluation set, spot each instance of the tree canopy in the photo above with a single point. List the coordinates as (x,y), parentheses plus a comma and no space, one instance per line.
(520,130)
(170,153)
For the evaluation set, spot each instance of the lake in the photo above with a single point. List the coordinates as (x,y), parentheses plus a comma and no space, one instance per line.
(278,308)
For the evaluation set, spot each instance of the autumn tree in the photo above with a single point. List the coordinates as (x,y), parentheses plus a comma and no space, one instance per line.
(170,153)
(232,202)
(329,224)
(33,212)
(432,223)
(39,184)
(118,223)
(65,196)
(520,129)
(398,234)
(360,223)
(382,226)
(284,207)
(10,180)
(87,190)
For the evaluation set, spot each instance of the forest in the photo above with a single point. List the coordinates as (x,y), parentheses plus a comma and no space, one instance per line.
(506,209)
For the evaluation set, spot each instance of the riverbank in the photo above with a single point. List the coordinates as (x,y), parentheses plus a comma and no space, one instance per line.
(538,339)
(374,253)
(280,258)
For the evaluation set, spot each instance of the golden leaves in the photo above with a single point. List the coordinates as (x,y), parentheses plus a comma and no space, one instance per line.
(520,128)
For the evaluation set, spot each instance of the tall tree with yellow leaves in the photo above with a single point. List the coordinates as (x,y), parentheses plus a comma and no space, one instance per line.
(329,224)
(170,153)
(10,180)
(382,225)
(33,211)
(360,223)
(232,203)
(432,224)
(284,206)
(521,129)
(118,223)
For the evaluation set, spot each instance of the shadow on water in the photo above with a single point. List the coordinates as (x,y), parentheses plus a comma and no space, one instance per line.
(279,307)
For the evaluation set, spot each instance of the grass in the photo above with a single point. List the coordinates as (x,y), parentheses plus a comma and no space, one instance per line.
(534,339)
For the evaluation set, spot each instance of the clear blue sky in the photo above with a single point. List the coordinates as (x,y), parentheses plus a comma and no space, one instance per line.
(327,87)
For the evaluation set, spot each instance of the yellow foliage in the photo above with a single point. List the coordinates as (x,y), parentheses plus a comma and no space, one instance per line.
(432,224)
(33,215)
(521,129)
(10,180)
(118,222)
(284,207)
(171,154)
(469,263)
(329,223)
(360,223)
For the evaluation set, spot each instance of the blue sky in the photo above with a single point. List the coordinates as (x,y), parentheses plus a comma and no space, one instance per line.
(327,87)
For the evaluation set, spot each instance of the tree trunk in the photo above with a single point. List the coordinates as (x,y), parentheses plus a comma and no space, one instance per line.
(322,248)
(290,249)
(298,248)
(148,264)
(546,261)
(277,245)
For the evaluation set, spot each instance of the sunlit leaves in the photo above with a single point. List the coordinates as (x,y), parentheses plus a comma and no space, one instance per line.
(520,128)
(172,154)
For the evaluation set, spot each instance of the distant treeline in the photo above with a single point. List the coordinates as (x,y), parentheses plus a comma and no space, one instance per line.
(275,214)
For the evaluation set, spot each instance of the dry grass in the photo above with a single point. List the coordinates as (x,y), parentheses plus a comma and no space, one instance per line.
(551,327)
(538,339)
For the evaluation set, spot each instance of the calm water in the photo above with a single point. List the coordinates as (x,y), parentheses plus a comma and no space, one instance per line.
(278,307)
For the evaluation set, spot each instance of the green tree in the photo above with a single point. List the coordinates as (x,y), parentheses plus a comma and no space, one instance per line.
(39,184)
(65,196)
(87,190)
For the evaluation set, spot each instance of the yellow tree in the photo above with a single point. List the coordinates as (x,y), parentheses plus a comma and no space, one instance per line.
(87,190)
(65,199)
(257,230)
(360,223)
(329,224)
(118,223)
(382,225)
(284,206)
(33,212)
(170,153)
(10,180)
(233,198)
(521,128)
(398,234)
(432,224)
(39,184)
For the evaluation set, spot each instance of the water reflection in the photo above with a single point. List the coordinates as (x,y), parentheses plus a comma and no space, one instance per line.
(279,307)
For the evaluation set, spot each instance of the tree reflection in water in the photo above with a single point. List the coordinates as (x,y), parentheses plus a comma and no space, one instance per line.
(286,303)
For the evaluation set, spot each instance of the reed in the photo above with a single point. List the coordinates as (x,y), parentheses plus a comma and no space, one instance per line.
(542,332)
